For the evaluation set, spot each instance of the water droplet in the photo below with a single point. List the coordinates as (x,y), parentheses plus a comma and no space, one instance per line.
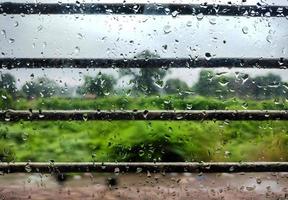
(78,4)
(189,23)
(250,188)
(11,40)
(117,171)
(85,117)
(167,29)
(16,24)
(141,153)
(167,11)
(269,38)
(165,46)
(3,32)
(39,28)
(25,136)
(79,36)
(138,170)
(77,50)
(145,113)
(212,21)
(159,83)
(245,29)
(28,168)
(245,105)
(148,174)
(175,13)
(207,56)
(199,16)
(227,154)
(136,8)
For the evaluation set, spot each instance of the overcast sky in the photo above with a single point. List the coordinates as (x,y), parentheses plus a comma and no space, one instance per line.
(118,36)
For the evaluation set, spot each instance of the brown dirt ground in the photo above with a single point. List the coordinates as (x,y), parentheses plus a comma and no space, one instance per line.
(140,186)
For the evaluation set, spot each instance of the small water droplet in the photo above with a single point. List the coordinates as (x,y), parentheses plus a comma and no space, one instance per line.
(199,16)
(79,36)
(245,29)
(167,11)
(189,23)
(212,21)
(167,29)
(11,40)
(16,24)
(258,181)
(117,171)
(39,28)
(269,38)
(28,168)
(77,50)
(175,13)
(78,4)
(3,32)
(145,113)
(148,174)
(208,56)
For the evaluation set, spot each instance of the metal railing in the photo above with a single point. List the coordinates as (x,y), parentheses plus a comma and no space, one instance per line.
(147,9)
(143,167)
(142,8)
(66,115)
(277,63)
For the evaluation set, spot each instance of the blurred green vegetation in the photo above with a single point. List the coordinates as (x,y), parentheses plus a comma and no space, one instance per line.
(144,140)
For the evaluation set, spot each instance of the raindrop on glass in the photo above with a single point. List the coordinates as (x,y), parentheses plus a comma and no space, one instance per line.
(167,29)
(200,16)
(245,29)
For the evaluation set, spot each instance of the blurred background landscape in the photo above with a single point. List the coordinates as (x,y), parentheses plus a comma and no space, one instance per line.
(143,140)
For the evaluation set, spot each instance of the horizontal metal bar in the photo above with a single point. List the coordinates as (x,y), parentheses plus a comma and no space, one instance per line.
(84,115)
(10,63)
(141,8)
(122,167)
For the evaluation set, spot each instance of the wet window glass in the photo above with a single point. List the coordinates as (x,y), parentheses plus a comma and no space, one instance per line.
(144,99)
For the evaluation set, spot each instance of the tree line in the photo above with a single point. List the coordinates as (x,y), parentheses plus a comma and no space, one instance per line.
(151,82)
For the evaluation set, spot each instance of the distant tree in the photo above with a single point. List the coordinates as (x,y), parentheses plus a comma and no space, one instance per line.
(211,85)
(148,81)
(260,87)
(176,86)
(8,84)
(268,86)
(100,85)
(41,87)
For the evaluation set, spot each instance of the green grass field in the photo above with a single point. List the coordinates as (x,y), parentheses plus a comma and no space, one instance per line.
(144,140)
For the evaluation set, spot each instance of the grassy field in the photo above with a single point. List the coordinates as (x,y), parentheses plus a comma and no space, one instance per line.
(144,140)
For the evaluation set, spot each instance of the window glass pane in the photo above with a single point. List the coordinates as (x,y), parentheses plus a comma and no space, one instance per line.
(189,88)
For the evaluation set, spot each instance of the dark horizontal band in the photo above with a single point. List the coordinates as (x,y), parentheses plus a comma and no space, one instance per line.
(143,167)
(10,63)
(196,115)
(147,9)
